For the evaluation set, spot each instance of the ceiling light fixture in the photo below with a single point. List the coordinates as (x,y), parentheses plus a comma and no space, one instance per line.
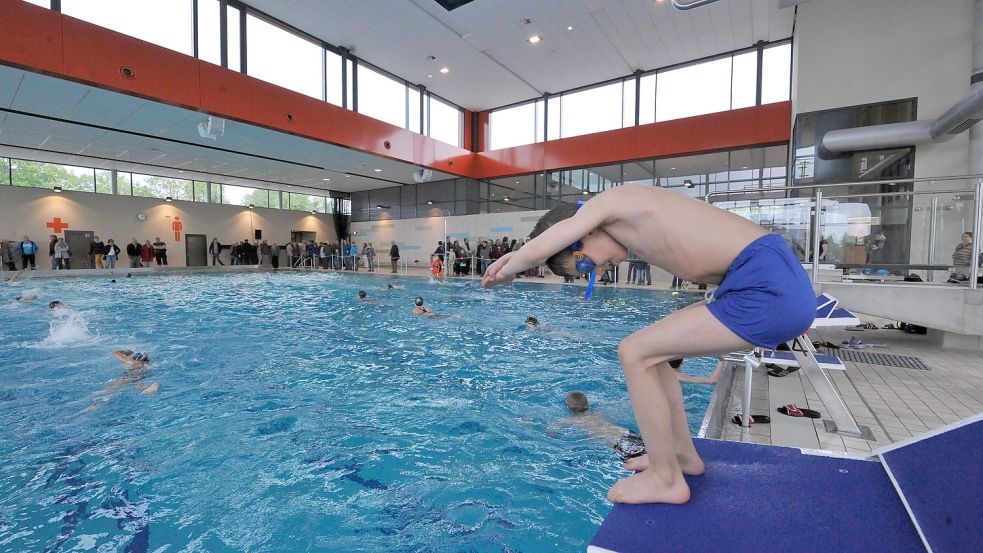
(586,192)
(445,70)
(688,183)
(743,166)
(325,179)
(377,170)
(535,39)
(517,182)
(506,198)
(672,168)
(168,199)
(569,27)
(251,206)
(429,76)
(57,189)
(313,212)
(347,176)
(429,202)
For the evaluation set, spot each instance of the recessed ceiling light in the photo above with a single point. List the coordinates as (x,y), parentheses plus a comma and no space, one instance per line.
(377,170)
(743,166)
(535,39)
(586,192)
(347,176)
(429,76)
(313,212)
(325,179)
(429,202)
(672,168)
(251,206)
(168,199)
(517,182)
(445,70)
(57,189)
(569,27)
(688,183)
(506,198)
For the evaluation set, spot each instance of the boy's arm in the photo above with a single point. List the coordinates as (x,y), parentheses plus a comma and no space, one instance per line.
(556,238)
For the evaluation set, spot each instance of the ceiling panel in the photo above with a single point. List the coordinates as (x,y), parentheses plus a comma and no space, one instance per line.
(53,97)
(9,81)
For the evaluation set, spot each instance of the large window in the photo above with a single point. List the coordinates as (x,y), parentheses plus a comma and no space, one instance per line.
(381,97)
(776,74)
(36,174)
(167,24)
(693,90)
(4,172)
(307,202)
(162,187)
(445,122)
(241,195)
(283,58)
(209,35)
(333,81)
(514,126)
(233,15)
(594,110)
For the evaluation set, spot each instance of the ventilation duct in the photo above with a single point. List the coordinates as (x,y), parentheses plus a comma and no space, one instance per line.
(957,119)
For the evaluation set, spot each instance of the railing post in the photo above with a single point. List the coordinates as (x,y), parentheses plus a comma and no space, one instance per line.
(817,235)
(974,259)
(931,233)
(750,363)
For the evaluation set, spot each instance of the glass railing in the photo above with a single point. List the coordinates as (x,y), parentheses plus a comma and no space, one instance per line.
(904,230)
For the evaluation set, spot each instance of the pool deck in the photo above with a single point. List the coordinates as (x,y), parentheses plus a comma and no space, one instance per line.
(895,403)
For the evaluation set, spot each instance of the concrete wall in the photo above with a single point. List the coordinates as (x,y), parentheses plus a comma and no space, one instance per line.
(849,52)
(25,211)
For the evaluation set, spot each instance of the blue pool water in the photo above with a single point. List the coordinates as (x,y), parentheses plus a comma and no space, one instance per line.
(292,418)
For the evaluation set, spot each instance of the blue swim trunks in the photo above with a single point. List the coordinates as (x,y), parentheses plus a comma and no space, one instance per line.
(766,297)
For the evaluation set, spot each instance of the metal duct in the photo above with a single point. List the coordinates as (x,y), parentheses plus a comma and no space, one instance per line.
(690,4)
(955,120)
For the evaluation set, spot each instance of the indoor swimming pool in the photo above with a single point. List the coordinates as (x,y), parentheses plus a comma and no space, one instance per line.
(292,417)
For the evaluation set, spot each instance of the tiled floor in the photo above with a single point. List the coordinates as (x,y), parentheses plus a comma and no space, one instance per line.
(894,403)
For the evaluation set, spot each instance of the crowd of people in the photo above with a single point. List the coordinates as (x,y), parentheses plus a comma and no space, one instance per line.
(102,255)
(463,260)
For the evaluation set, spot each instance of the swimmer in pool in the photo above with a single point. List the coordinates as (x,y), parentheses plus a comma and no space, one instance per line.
(135,374)
(395,287)
(532,323)
(57,305)
(364,298)
(419,308)
(626,444)
(26,298)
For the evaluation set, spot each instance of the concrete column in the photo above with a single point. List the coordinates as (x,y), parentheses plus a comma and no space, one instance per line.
(976,80)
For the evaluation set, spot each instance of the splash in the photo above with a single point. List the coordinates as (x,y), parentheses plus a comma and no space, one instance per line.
(68,329)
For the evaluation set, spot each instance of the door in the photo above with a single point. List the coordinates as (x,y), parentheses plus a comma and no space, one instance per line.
(302,236)
(79,242)
(196,250)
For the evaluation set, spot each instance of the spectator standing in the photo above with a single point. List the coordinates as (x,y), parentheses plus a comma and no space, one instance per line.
(394,256)
(215,248)
(133,252)
(147,254)
(370,256)
(28,251)
(643,273)
(294,253)
(265,251)
(323,254)
(97,250)
(62,255)
(355,257)
(10,254)
(52,240)
(275,255)
(484,255)
(111,254)
(160,251)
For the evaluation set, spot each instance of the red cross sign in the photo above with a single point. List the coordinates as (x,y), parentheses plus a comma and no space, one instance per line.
(56,225)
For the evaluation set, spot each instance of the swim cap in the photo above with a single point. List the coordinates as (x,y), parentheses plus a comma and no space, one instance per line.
(418,301)
(361,293)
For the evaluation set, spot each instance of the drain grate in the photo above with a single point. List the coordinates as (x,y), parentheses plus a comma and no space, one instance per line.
(883,359)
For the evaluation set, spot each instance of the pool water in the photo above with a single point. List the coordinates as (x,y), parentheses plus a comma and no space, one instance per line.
(291,417)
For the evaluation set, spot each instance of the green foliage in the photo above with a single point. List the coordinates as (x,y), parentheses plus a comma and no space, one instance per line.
(36,174)
(161,187)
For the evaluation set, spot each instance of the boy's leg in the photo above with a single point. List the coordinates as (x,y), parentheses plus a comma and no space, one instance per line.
(690,332)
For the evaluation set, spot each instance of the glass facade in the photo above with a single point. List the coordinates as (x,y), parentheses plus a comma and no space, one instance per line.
(723,83)
(37,174)
(268,50)
(168,24)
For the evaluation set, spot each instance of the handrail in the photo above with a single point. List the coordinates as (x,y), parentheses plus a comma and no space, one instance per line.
(850,183)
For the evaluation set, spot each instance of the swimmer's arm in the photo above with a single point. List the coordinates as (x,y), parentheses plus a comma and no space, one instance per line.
(534,253)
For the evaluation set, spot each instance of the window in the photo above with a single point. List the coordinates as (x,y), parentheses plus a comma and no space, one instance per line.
(445,122)
(216,193)
(332,77)
(694,90)
(201,191)
(776,73)
(104,181)
(305,202)
(414,109)
(42,3)
(514,126)
(282,58)
(646,99)
(166,24)
(275,199)
(744,83)
(381,97)
(209,31)
(124,184)
(36,174)
(4,171)
(235,39)
(150,186)
(593,110)
(241,195)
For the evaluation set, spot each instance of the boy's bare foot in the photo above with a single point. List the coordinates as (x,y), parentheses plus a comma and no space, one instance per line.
(690,466)
(648,487)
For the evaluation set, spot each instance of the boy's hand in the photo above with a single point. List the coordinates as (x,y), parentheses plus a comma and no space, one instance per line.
(494,275)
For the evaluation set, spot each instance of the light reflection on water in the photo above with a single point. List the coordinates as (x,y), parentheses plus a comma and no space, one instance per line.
(292,417)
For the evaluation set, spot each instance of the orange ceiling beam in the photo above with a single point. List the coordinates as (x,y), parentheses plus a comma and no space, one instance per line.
(40,40)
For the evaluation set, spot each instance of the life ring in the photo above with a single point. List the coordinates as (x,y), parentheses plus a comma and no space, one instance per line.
(437,267)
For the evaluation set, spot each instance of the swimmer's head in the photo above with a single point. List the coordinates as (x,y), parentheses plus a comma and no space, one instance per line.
(128,275)
(577,402)
(676,363)
(362,294)
(532,321)
(389,287)
(55,304)
(418,301)
(113,281)
(557,262)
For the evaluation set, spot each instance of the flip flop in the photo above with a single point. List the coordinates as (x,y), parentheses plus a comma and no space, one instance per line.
(779,372)
(755,419)
(793,411)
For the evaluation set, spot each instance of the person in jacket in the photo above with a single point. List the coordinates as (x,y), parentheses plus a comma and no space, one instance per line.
(356,259)
(62,255)
(97,250)
(215,248)
(10,254)
(264,251)
(147,253)
(962,258)
(394,256)
(133,252)
(28,250)
(111,254)
(370,256)
(160,251)
(275,255)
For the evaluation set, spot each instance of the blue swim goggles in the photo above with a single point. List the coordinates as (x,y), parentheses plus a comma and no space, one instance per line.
(584,264)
